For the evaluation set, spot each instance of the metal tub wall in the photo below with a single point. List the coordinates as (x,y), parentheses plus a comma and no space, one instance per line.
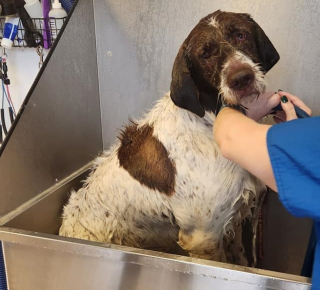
(36,258)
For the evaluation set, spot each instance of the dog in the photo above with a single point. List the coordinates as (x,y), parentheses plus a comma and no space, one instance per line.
(164,184)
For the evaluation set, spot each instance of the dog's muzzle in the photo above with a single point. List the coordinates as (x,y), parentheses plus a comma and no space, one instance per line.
(240,78)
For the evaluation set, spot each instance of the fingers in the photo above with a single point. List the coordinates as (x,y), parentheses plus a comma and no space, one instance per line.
(296,101)
(272,101)
(261,106)
(288,108)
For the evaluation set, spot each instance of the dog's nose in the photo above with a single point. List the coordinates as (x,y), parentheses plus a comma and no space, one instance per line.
(241,79)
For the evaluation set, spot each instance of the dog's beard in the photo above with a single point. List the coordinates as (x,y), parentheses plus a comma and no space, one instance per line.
(258,86)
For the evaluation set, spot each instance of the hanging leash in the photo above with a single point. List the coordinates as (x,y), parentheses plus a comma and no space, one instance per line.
(41,55)
(5,96)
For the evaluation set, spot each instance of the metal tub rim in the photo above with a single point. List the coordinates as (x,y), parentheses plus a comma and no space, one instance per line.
(150,258)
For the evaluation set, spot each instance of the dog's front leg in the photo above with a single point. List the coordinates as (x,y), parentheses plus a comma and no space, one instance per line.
(200,244)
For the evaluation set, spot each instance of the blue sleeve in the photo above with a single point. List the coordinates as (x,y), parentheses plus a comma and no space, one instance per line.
(294,150)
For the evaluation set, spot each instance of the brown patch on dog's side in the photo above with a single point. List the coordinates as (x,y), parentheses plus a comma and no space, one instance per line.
(146,159)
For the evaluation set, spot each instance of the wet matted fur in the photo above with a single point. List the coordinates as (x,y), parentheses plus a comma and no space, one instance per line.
(164,183)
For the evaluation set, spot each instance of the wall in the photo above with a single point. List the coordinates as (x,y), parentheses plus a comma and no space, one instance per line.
(137,42)
(23,69)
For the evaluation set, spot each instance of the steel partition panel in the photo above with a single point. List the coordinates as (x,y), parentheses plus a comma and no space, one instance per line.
(60,128)
(43,213)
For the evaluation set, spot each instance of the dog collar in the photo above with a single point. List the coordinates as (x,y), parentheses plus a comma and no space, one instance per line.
(236,107)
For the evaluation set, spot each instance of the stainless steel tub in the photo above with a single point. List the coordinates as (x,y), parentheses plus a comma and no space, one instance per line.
(36,258)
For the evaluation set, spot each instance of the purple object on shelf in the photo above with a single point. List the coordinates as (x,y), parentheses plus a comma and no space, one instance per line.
(46,6)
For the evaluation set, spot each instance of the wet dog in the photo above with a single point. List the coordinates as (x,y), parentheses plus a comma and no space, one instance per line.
(164,183)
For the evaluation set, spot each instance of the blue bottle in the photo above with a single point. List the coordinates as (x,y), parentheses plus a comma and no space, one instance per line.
(67,4)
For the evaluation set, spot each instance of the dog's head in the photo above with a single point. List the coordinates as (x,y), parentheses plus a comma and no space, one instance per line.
(226,53)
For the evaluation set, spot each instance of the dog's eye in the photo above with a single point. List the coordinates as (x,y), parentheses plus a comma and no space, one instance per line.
(241,36)
(205,54)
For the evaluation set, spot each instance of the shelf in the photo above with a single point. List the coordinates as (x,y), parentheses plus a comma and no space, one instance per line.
(34,35)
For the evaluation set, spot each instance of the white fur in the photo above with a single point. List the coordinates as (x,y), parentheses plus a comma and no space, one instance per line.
(259,84)
(113,207)
(213,22)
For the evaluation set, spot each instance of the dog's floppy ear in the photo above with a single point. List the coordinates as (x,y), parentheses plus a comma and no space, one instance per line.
(267,53)
(183,91)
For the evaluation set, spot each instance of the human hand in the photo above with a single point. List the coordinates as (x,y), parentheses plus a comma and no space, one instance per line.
(260,106)
(287,102)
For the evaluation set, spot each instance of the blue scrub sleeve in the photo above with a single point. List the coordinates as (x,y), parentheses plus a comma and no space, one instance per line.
(294,150)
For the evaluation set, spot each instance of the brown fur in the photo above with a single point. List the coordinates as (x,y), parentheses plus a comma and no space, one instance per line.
(146,159)
(196,74)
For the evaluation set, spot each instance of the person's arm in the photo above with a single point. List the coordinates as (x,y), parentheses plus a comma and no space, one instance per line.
(244,141)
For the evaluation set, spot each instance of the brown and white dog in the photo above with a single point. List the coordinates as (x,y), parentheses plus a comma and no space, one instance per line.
(165,183)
